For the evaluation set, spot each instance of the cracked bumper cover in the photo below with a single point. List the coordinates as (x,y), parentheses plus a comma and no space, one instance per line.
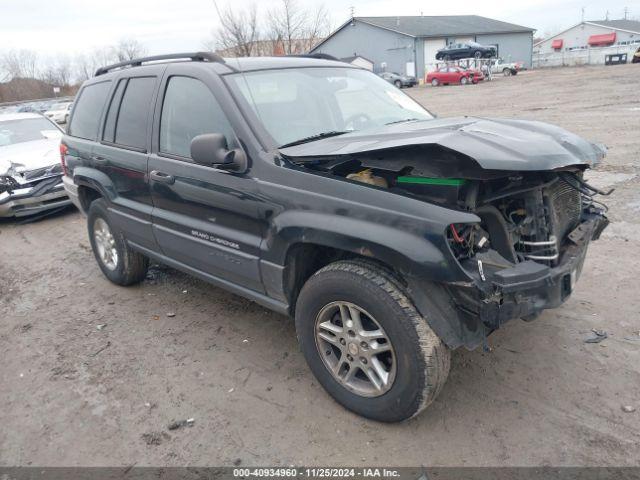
(526,289)
(44,196)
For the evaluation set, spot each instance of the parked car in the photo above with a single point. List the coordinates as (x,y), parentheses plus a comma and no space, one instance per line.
(322,192)
(457,51)
(506,68)
(59,112)
(399,80)
(30,170)
(447,75)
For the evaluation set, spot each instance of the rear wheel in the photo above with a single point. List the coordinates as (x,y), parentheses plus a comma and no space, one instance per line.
(506,72)
(366,343)
(398,83)
(116,259)
(435,82)
(477,54)
(464,80)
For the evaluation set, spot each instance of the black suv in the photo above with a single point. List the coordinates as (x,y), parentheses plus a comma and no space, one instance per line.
(321,191)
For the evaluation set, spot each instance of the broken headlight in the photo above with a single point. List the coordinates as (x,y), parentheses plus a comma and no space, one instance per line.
(467,239)
(7,184)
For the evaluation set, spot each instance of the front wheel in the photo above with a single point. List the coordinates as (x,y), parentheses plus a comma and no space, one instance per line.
(398,83)
(366,343)
(118,262)
(478,54)
(506,72)
(464,80)
(435,82)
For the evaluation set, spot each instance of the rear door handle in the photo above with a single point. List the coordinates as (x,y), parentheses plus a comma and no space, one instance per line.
(161,177)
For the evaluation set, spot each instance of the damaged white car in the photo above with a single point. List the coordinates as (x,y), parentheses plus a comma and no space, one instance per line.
(30,170)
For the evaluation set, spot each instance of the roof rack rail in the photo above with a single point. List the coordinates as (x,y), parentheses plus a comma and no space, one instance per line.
(136,62)
(320,56)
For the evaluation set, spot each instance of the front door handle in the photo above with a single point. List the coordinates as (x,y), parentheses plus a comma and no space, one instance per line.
(161,177)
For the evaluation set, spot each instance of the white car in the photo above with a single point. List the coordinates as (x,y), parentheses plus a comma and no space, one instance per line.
(30,168)
(506,68)
(59,112)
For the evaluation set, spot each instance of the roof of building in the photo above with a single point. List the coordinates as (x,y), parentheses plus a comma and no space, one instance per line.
(622,24)
(627,25)
(435,26)
(351,59)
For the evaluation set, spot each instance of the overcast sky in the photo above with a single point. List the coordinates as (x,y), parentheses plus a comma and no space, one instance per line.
(53,27)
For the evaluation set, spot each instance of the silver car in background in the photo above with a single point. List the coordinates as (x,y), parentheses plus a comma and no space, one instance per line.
(30,169)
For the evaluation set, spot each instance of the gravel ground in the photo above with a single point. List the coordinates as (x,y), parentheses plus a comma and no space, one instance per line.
(92,374)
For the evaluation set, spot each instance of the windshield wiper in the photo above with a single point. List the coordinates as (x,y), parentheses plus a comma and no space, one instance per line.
(403,121)
(317,136)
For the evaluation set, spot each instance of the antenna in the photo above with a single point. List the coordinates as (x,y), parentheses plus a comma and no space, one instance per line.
(352,9)
(626,12)
(606,17)
(582,14)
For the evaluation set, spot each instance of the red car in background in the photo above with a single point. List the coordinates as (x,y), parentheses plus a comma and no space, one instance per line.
(447,75)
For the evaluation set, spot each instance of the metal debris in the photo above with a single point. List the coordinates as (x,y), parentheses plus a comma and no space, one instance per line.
(597,337)
(189,422)
(171,314)
(628,408)
(101,326)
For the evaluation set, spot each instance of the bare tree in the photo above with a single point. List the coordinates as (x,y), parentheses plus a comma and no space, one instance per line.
(58,72)
(238,32)
(128,49)
(294,29)
(286,24)
(87,64)
(19,64)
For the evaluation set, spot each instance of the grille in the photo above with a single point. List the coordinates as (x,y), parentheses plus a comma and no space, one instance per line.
(565,207)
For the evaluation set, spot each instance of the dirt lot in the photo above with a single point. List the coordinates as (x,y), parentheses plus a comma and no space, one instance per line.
(74,394)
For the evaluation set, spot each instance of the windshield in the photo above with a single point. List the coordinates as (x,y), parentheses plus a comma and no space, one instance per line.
(296,104)
(26,130)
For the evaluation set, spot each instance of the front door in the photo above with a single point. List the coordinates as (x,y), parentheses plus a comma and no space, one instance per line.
(204,218)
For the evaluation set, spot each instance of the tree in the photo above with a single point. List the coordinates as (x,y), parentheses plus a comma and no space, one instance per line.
(295,29)
(128,49)
(238,32)
(19,64)
(58,72)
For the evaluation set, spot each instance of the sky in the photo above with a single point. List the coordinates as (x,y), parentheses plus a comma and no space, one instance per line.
(69,27)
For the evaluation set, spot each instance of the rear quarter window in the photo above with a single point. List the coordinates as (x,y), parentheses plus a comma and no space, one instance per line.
(131,124)
(88,109)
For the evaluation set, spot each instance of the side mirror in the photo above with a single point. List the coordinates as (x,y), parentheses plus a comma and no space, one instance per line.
(211,149)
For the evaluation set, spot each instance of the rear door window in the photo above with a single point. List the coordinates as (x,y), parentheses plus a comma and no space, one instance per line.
(131,123)
(190,109)
(89,105)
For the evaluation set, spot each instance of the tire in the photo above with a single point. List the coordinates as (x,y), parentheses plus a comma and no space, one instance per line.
(506,72)
(126,266)
(435,82)
(420,358)
(477,54)
(447,58)
(464,80)
(398,83)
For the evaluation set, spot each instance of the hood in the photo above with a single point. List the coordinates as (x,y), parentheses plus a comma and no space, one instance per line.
(27,156)
(495,144)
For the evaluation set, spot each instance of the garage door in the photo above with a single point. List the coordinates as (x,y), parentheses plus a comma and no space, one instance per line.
(431,47)
(464,39)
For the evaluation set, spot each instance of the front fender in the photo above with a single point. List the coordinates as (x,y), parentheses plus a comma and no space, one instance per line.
(418,250)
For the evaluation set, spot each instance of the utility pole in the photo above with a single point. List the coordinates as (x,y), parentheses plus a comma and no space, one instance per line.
(582,15)
(626,12)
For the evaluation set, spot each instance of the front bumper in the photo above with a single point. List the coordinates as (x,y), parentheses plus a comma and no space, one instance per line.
(527,288)
(46,195)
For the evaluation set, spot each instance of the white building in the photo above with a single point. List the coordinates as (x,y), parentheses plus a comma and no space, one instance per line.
(588,43)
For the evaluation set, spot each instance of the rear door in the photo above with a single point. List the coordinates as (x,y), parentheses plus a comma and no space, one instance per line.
(123,151)
(204,218)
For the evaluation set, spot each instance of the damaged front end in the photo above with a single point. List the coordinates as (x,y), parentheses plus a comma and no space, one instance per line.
(26,191)
(523,180)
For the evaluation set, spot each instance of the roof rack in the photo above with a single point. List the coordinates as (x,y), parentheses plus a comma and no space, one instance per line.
(136,62)
(320,56)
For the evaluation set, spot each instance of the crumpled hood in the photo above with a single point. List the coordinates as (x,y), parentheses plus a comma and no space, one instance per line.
(26,156)
(496,144)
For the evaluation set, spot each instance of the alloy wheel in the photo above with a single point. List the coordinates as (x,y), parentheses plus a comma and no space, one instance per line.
(355,349)
(105,244)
